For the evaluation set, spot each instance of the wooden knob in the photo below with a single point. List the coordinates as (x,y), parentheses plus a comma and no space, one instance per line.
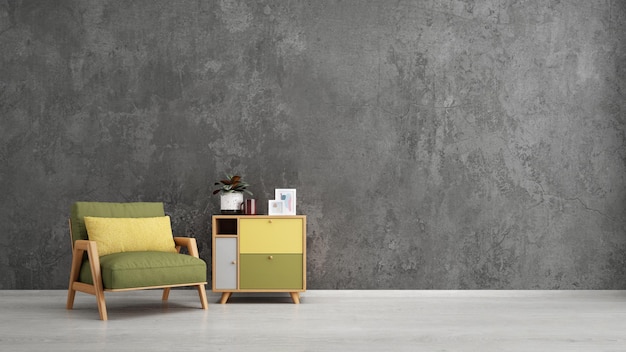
(234,262)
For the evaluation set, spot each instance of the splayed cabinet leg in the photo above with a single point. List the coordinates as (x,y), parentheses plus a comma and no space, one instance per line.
(225,297)
(295,296)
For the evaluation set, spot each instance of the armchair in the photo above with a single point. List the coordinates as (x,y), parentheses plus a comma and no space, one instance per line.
(129,246)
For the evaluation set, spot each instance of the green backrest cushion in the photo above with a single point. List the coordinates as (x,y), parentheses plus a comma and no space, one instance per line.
(110,210)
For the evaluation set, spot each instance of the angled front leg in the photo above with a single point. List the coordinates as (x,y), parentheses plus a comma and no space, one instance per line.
(96,275)
(77,258)
(202,294)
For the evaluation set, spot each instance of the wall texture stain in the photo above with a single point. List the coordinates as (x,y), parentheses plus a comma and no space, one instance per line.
(453,144)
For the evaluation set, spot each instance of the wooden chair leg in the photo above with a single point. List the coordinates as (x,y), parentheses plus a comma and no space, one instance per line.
(77,256)
(71,293)
(96,275)
(102,307)
(202,294)
(166,294)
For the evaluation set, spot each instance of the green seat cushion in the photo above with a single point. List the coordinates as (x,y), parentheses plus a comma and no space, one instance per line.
(145,269)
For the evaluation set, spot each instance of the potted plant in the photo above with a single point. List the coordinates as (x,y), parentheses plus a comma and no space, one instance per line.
(231,192)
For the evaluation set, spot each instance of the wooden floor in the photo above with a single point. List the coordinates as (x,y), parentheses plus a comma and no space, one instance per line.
(324,321)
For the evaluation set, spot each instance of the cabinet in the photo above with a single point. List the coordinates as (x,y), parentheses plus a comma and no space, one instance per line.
(259,253)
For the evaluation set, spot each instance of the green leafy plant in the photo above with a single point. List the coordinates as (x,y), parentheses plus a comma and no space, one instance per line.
(232,183)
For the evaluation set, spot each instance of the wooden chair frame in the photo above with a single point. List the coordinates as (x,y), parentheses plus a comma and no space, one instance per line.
(79,247)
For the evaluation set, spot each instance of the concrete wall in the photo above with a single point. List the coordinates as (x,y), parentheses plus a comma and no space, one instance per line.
(433,144)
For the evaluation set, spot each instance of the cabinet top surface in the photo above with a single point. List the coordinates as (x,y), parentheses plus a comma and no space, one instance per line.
(258,216)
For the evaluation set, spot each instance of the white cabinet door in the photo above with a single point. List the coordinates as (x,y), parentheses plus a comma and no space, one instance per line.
(226,263)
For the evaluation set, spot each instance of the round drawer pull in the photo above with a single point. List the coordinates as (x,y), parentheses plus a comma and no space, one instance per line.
(270,257)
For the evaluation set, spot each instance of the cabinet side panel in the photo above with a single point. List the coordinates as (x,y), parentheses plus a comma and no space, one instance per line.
(225,264)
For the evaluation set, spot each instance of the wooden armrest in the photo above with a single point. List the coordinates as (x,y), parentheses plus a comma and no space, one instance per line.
(190,243)
(83,244)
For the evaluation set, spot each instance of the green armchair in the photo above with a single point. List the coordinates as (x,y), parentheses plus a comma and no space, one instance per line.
(129,246)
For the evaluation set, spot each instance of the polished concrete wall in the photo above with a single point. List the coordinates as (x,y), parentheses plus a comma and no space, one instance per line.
(433,144)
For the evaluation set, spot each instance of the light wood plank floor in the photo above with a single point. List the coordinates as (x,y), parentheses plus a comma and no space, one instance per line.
(324,321)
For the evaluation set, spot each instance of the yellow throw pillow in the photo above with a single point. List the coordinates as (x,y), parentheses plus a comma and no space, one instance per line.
(115,235)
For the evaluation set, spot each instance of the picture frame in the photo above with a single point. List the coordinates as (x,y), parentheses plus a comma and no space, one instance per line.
(288,197)
(275,207)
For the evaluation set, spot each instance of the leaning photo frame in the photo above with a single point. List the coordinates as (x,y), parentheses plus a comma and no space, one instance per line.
(275,207)
(288,197)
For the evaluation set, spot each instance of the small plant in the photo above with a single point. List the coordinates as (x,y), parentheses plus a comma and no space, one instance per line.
(232,183)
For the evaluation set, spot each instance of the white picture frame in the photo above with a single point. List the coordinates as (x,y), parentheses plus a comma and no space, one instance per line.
(288,197)
(275,207)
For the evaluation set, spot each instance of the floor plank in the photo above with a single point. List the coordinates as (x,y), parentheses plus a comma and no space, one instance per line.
(324,321)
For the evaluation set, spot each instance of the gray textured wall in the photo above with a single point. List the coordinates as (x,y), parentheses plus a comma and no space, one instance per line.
(434,144)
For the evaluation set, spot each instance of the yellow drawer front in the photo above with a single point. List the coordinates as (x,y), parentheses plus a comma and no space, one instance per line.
(270,236)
